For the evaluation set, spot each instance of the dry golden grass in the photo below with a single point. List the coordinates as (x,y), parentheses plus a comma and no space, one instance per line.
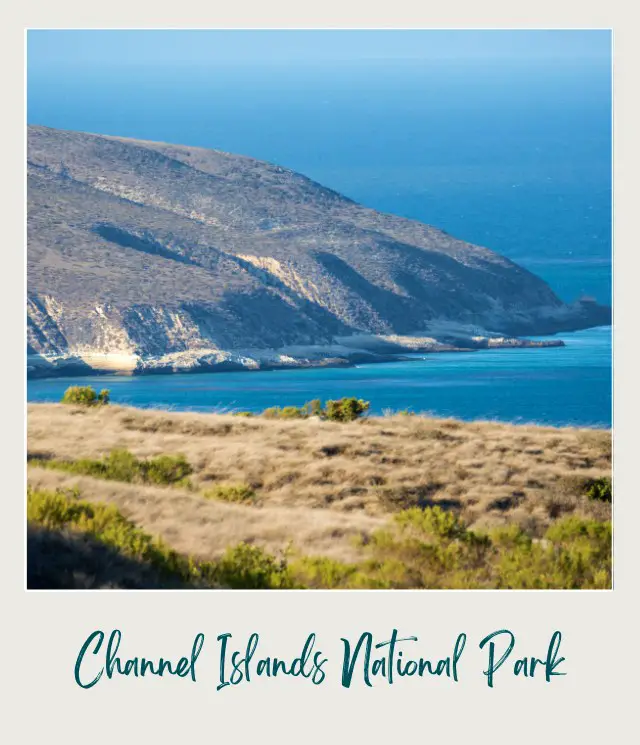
(192,524)
(318,483)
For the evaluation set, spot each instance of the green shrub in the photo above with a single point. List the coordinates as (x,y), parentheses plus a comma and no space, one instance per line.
(432,548)
(345,409)
(273,412)
(231,493)
(433,522)
(165,469)
(320,571)
(121,465)
(599,489)
(249,567)
(242,413)
(63,510)
(340,410)
(85,396)
(575,553)
(285,412)
(292,412)
(241,566)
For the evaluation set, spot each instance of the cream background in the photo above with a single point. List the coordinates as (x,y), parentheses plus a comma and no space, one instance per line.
(42,632)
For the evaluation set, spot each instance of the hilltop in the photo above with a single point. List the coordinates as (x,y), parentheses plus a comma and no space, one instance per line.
(145,256)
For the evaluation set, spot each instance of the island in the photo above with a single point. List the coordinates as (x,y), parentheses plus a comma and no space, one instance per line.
(146,257)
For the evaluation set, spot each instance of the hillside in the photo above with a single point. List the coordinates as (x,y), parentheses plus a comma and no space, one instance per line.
(322,490)
(146,256)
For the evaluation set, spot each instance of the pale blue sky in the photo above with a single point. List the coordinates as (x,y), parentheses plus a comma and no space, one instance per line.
(55,49)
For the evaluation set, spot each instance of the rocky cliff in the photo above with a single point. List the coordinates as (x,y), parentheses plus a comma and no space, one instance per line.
(146,256)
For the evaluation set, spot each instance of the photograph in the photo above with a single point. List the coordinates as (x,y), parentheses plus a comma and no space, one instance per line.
(318,309)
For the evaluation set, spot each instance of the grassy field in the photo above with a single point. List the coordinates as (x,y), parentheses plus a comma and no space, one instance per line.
(398,501)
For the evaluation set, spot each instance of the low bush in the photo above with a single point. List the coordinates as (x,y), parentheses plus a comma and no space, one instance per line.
(231,493)
(121,465)
(63,509)
(432,548)
(421,548)
(338,410)
(599,489)
(285,412)
(345,409)
(320,571)
(242,566)
(577,485)
(85,396)
(249,567)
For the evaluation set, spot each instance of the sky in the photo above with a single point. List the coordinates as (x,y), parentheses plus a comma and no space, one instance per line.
(53,50)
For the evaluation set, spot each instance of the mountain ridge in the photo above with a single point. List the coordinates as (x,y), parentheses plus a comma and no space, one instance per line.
(146,256)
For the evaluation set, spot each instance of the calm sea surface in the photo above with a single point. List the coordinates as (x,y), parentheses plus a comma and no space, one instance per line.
(513,157)
(559,385)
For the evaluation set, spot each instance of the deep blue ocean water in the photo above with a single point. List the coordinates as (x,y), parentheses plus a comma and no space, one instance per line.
(570,385)
(515,157)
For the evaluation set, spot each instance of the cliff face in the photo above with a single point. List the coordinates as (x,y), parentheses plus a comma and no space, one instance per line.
(139,251)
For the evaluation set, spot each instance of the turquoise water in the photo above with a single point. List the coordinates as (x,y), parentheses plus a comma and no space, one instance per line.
(558,385)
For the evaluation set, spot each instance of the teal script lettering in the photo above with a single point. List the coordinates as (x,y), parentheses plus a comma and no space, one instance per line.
(524,666)
(393,663)
(136,666)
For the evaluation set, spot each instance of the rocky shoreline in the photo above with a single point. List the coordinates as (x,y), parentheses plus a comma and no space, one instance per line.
(345,352)
(146,257)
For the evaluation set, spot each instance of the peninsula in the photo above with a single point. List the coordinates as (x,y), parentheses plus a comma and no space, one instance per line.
(148,257)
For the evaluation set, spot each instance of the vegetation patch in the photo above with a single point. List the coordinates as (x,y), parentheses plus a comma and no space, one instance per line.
(70,560)
(421,548)
(240,492)
(285,412)
(596,489)
(85,396)
(432,548)
(338,410)
(599,489)
(242,566)
(121,465)
(346,409)
(311,477)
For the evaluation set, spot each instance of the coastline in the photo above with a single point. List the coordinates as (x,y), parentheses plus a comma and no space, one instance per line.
(345,352)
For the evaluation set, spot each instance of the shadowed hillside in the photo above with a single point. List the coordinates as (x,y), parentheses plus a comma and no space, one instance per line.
(144,255)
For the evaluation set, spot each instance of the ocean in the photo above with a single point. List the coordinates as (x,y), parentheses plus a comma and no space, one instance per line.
(514,157)
(558,386)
